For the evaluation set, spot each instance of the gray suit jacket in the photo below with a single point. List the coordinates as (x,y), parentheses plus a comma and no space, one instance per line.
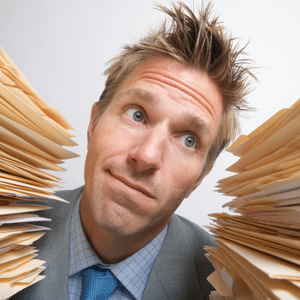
(179,272)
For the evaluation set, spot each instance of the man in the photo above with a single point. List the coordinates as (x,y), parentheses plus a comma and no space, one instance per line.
(167,111)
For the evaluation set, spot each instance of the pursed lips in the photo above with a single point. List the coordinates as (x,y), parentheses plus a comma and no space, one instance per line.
(132,185)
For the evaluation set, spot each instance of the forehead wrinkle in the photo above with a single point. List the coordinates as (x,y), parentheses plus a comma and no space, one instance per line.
(181,85)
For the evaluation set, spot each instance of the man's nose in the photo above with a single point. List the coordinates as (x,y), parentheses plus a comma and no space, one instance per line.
(146,155)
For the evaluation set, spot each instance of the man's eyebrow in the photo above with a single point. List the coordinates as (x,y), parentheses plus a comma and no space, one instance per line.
(198,123)
(142,94)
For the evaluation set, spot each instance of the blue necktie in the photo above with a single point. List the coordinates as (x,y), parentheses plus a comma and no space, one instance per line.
(97,284)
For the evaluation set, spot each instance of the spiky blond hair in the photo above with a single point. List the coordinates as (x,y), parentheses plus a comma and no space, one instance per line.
(200,42)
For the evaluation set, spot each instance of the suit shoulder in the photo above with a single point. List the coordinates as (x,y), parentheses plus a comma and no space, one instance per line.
(194,232)
(68,195)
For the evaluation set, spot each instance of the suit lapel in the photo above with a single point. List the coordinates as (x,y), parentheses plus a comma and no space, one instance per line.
(57,249)
(168,278)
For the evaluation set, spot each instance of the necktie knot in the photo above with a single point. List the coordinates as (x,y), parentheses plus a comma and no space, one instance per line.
(97,283)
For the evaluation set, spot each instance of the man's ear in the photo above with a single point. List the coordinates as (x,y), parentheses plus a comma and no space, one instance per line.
(92,123)
(198,181)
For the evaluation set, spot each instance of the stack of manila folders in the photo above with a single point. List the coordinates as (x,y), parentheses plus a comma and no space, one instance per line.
(32,136)
(259,242)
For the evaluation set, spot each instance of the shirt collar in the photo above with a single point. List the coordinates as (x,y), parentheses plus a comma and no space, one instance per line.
(132,272)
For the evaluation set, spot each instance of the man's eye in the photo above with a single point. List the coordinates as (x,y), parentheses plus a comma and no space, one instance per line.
(135,114)
(188,141)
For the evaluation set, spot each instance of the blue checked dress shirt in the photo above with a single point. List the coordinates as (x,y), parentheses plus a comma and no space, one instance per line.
(132,272)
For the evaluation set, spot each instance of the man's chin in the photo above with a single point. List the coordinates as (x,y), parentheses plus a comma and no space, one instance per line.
(121,223)
(122,230)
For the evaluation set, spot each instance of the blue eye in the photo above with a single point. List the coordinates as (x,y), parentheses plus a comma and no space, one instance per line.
(135,114)
(188,140)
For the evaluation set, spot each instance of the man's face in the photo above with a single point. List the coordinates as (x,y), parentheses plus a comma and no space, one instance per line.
(146,151)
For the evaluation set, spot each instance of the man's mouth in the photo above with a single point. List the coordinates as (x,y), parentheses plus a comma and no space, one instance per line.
(132,185)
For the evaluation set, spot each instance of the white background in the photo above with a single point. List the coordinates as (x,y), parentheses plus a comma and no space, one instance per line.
(61,46)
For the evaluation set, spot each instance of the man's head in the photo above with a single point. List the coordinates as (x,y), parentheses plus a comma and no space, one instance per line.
(197,42)
(156,130)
